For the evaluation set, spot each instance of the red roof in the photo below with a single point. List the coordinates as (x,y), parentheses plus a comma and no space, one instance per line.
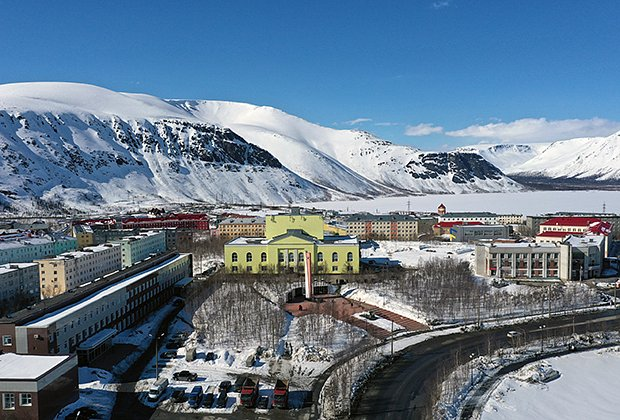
(554,234)
(457,223)
(571,221)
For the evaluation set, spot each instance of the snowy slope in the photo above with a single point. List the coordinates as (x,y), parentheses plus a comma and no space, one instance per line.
(308,149)
(595,157)
(69,144)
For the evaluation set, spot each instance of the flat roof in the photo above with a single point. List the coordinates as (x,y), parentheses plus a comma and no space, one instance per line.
(55,316)
(7,268)
(243,221)
(95,340)
(25,366)
(522,245)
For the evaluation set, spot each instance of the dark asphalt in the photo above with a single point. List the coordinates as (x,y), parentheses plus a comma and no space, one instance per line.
(401,390)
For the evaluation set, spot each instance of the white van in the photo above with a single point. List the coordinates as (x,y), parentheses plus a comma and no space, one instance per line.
(158,388)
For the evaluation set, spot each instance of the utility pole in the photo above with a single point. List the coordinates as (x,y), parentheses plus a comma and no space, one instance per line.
(549,298)
(392,341)
(542,342)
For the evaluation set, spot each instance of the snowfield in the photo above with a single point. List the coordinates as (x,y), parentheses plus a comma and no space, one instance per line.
(586,389)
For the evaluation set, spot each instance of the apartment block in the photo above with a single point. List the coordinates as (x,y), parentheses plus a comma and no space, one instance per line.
(395,227)
(138,247)
(19,285)
(234,227)
(72,269)
(24,247)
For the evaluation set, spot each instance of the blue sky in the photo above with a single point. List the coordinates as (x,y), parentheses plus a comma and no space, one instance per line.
(434,74)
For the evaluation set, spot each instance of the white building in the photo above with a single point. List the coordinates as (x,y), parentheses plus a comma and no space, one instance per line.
(138,247)
(73,269)
(19,285)
(483,217)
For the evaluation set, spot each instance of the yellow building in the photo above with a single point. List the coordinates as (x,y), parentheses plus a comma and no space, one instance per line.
(235,227)
(283,250)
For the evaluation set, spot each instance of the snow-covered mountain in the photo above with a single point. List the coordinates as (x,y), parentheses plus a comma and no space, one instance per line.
(78,145)
(594,158)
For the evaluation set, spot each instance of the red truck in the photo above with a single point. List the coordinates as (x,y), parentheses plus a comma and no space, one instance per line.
(249,392)
(280,394)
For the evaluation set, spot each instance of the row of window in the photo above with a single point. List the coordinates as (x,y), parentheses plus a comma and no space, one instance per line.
(291,257)
(264,268)
(8,400)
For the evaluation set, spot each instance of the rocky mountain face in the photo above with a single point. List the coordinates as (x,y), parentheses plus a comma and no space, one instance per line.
(68,145)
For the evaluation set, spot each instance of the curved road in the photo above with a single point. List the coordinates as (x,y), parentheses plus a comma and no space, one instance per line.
(401,390)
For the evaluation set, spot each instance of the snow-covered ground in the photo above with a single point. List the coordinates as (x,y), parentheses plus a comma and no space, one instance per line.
(586,389)
(528,203)
(411,253)
(97,391)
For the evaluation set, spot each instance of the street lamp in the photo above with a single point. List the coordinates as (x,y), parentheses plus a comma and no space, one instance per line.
(541,328)
(156,354)
(471,368)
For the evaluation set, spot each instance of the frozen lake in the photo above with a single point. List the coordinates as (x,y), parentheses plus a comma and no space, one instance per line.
(528,203)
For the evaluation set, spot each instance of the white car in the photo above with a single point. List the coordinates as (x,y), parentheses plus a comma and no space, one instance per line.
(513,334)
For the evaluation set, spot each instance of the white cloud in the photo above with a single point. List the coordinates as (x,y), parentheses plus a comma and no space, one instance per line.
(357,121)
(387,124)
(539,130)
(423,129)
(441,4)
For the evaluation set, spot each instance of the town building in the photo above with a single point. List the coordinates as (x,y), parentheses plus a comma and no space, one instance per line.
(19,286)
(481,217)
(395,227)
(72,269)
(550,236)
(441,209)
(118,301)
(25,247)
(510,219)
(37,387)
(138,247)
(198,221)
(586,255)
(472,233)
(448,228)
(524,260)
(234,227)
(288,239)
(533,222)
(569,224)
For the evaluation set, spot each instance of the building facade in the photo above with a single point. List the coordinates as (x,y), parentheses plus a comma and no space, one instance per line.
(472,233)
(72,269)
(19,286)
(393,227)
(37,387)
(483,217)
(24,247)
(543,261)
(533,222)
(138,247)
(198,221)
(293,237)
(234,227)
(117,304)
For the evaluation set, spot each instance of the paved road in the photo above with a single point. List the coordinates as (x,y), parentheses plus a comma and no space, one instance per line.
(401,390)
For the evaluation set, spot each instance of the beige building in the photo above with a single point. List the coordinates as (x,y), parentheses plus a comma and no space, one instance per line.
(252,227)
(72,269)
(390,227)
(510,219)
(537,261)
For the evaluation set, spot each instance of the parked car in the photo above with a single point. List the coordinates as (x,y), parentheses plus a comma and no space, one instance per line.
(195,397)
(263,402)
(209,356)
(209,397)
(513,334)
(174,344)
(222,399)
(178,395)
(224,386)
(158,388)
(184,375)
(168,355)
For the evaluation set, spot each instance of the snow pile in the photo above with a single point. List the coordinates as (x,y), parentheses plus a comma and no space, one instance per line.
(537,373)
(574,395)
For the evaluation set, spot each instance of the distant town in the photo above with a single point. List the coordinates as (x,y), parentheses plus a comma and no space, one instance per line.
(249,308)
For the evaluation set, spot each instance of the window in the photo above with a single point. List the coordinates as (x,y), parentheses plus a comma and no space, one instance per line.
(248,257)
(7,340)
(349,268)
(280,257)
(334,257)
(263,268)
(291,257)
(263,257)
(234,257)
(319,256)
(248,268)
(25,399)
(8,401)
(301,257)
(234,268)
(349,256)
(334,268)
